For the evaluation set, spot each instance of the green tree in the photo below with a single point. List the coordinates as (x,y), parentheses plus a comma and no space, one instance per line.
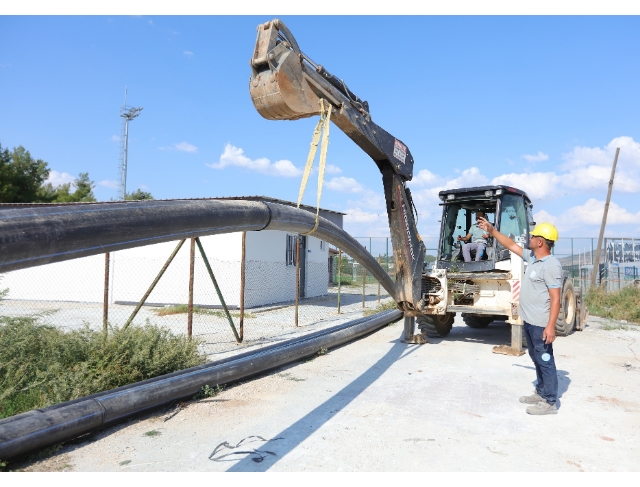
(62,194)
(21,176)
(138,194)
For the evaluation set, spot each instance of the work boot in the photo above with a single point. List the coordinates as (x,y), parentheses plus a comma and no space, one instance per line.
(534,398)
(543,407)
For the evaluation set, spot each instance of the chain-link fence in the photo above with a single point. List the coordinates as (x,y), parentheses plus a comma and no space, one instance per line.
(191,289)
(618,264)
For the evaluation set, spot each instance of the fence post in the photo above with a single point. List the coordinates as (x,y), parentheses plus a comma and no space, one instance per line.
(192,260)
(105,306)
(364,284)
(297,276)
(379,284)
(242,279)
(387,255)
(572,260)
(339,276)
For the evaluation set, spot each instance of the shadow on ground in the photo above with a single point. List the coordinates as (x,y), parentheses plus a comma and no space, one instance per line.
(288,439)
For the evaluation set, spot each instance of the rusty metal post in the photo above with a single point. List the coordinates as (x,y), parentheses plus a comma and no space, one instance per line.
(297,276)
(192,261)
(379,281)
(215,284)
(339,276)
(153,284)
(105,306)
(364,284)
(242,279)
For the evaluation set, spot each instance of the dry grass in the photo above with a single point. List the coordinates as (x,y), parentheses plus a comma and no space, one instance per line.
(618,305)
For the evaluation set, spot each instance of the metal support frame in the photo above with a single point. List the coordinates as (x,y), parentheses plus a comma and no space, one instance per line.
(153,284)
(215,284)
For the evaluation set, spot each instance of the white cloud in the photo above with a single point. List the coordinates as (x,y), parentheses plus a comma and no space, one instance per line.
(331,169)
(185,147)
(356,215)
(544,216)
(590,167)
(539,157)
(469,178)
(590,213)
(345,185)
(57,178)
(425,178)
(234,157)
(537,185)
(108,183)
(188,53)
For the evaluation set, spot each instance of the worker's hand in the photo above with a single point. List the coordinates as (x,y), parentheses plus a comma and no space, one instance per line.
(485,225)
(549,334)
(459,238)
(485,235)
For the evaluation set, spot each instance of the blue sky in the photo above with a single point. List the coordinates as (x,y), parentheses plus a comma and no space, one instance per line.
(536,102)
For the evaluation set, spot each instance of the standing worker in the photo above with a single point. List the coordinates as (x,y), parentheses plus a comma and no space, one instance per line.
(539,309)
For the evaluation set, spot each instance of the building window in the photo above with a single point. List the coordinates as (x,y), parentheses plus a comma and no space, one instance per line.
(321,244)
(291,250)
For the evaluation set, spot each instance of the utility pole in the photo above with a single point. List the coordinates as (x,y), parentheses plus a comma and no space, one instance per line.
(127,113)
(596,262)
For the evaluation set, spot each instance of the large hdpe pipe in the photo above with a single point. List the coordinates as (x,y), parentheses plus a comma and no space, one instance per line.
(41,235)
(40,428)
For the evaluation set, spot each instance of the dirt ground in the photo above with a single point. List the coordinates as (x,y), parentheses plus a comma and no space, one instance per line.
(380,405)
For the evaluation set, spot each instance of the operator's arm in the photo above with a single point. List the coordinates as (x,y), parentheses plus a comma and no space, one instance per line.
(549,333)
(466,239)
(505,241)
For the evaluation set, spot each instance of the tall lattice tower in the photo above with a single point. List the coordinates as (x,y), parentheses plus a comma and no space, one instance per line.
(127,113)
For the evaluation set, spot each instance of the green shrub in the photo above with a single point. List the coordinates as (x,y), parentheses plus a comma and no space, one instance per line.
(618,305)
(41,365)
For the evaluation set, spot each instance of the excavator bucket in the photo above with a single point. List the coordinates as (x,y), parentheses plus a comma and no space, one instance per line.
(279,87)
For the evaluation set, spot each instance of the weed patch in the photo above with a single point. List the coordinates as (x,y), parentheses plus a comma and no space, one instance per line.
(207,391)
(152,433)
(183,308)
(618,305)
(391,304)
(41,365)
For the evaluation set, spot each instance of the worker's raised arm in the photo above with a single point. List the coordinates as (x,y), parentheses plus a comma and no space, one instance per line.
(505,241)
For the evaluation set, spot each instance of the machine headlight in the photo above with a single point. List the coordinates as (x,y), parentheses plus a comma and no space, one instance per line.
(451,196)
(488,193)
(498,192)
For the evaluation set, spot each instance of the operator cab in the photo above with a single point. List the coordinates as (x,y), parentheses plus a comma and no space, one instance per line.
(507,208)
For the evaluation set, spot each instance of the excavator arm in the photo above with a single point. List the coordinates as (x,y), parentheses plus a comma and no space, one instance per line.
(287,85)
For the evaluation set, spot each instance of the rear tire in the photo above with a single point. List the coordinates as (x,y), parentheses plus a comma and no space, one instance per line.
(476,321)
(565,325)
(435,325)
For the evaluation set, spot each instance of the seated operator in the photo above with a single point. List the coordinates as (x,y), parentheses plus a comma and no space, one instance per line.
(477,239)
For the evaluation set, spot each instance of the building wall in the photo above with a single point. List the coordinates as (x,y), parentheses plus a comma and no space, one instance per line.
(269,280)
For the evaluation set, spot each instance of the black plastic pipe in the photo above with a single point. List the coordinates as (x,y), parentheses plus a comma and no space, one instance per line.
(28,432)
(40,235)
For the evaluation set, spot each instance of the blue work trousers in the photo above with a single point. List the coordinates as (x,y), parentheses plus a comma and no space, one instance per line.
(542,356)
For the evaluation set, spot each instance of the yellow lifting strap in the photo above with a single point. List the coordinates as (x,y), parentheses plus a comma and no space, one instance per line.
(321,127)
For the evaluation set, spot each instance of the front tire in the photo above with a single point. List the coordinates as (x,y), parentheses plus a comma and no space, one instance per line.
(566,322)
(476,321)
(437,326)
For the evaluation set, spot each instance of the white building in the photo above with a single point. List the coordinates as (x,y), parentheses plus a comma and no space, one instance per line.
(269,271)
